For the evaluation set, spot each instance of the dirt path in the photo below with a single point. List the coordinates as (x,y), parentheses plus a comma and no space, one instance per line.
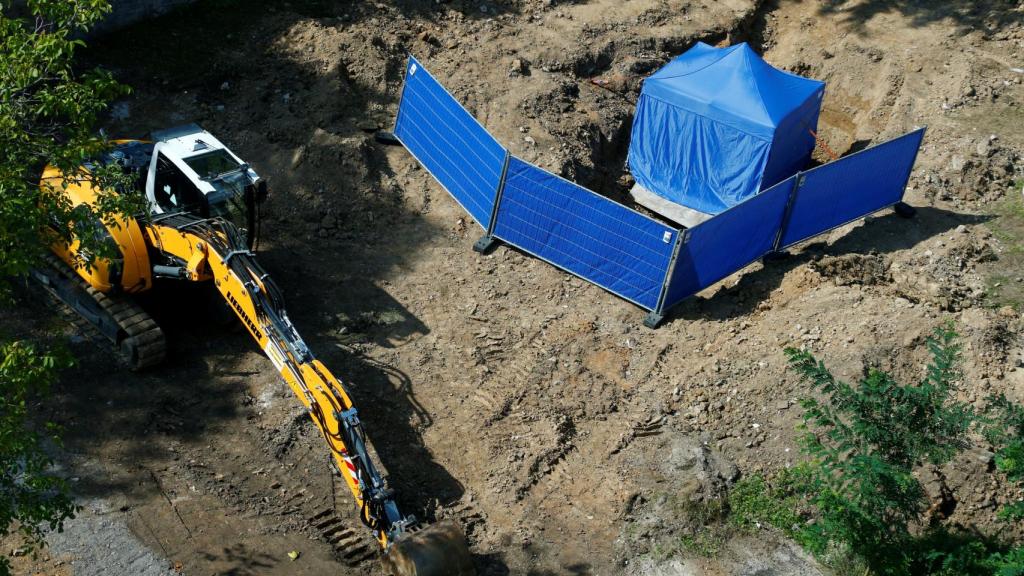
(525,403)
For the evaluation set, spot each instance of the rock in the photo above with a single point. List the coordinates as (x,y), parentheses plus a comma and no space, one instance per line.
(298,156)
(368,124)
(983,456)
(519,67)
(723,468)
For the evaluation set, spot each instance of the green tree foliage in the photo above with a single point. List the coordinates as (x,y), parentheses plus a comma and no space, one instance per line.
(865,440)
(48,115)
(32,498)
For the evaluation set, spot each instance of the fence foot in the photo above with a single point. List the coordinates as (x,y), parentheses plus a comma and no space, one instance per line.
(775,256)
(385,137)
(485,244)
(904,210)
(653,319)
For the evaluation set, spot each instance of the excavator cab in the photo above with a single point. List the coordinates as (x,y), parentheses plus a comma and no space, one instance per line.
(192,172)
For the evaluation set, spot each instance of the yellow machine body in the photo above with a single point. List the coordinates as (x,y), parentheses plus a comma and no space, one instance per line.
(131,272)
(176,242)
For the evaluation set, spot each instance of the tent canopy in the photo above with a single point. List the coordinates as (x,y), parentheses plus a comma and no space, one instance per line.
(716,125)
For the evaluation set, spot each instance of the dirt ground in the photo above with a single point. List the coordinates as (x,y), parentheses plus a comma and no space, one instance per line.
(530,406)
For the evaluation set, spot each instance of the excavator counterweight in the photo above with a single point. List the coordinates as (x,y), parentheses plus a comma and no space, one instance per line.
(204,217)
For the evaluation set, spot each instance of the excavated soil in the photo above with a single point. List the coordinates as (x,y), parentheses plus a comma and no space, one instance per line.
(528,405)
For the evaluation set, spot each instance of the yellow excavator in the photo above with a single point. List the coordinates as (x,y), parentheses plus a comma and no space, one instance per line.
(204,210)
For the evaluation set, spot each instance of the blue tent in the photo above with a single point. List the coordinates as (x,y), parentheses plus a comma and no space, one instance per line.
(717,125)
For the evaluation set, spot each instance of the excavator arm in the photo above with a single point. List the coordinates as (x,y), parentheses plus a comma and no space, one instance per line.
(214,249)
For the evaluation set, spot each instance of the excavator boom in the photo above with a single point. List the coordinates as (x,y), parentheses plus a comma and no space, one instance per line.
(214,249)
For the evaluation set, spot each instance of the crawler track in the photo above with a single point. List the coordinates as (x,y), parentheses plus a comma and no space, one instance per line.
(117,318)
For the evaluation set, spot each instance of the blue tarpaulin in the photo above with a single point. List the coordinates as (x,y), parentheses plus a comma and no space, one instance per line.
(716,125)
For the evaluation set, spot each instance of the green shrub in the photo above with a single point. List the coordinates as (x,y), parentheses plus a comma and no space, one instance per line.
(1004,428)
(864,440)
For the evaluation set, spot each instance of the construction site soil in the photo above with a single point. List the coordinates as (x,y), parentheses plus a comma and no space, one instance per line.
(530,406)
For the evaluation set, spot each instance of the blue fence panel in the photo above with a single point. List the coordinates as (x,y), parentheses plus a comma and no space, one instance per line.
(729,241)
(852,187)
(449,143)
(584,233)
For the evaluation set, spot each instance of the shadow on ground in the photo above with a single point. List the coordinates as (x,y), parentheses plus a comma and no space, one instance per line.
(968,14)
(882,234)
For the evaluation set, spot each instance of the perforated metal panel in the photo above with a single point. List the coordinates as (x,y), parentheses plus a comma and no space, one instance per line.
(852,187)
(728,242)
(461,155)
(584,233)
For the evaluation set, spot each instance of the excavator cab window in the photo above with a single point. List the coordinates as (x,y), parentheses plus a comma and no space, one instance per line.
(174,192)
(229,200)
(212,164)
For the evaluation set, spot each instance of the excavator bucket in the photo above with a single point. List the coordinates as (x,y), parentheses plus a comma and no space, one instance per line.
(438,550)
